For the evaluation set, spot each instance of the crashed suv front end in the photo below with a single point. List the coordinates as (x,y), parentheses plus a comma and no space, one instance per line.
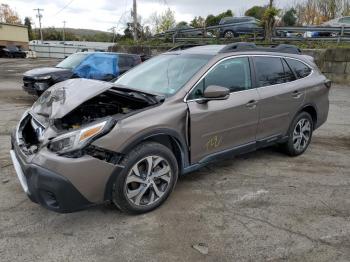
(52,149)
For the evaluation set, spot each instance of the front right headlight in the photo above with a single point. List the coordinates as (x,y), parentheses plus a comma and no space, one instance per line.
(77,139)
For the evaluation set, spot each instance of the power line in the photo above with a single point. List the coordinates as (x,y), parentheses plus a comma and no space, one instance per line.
(113,31)
(64,7)
(39,16)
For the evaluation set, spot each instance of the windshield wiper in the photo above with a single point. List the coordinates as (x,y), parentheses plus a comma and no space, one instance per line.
(127,88)
(140,94)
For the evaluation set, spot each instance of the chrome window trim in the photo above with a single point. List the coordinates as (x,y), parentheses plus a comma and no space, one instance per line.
(247,55)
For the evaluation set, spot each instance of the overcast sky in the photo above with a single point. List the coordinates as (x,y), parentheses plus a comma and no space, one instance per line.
(103,14)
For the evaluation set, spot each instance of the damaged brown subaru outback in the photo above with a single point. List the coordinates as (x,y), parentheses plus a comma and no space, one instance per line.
(86,142)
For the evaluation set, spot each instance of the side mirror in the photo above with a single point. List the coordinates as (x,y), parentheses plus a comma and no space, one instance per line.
(216,93)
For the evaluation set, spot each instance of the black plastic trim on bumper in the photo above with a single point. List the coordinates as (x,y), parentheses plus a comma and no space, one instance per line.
(53,191)
(50,189)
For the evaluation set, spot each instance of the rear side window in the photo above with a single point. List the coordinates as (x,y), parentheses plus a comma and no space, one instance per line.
(288,73)
(300,69)
(122,61)
(269,71)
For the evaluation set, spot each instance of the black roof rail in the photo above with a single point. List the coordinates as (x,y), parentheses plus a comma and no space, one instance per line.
(243,46)
(183,47)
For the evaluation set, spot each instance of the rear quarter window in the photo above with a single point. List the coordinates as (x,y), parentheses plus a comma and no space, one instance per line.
(300,69)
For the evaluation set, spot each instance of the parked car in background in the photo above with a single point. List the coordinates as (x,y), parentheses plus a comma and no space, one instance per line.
(316,34)
(12,52)
(87,142)
(91,65)
(338,22)
(290,34)
(236,26)
(180,31)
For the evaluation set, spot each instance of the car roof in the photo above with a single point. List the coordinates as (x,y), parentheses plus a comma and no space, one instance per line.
(106,53)
(201,50)
(231,49)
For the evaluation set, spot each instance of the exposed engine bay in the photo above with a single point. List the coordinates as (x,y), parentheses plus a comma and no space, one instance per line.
(38,128)
(110,103)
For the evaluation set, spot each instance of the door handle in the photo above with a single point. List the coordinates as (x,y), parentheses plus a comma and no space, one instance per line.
(297,94)
(252,104)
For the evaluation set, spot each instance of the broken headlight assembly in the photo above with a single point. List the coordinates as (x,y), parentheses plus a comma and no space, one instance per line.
(78,139)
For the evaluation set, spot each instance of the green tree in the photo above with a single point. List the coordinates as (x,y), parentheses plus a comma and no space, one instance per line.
(289,18)
(256,11)
(8,15)
(51,34)
(162,22)
(181,24)
(212,20)
(198,22)
(28,24)
(129,30)
(269,20)
(167,20)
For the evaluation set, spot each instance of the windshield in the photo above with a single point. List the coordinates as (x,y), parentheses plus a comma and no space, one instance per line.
(164,74)
(72,61)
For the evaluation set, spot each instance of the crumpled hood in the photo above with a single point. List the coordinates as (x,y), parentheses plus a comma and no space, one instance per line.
(62,98)
(45,71)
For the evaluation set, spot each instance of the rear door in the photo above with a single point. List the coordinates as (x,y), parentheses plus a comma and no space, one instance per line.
(221,125)
(280,96)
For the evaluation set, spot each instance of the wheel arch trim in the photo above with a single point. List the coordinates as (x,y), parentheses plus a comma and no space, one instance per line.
(149,136)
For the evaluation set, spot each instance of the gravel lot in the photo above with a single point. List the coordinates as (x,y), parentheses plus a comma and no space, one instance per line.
(263,206)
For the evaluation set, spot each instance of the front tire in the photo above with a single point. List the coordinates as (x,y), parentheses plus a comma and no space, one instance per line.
(299,135)
(149,176)
(230,34)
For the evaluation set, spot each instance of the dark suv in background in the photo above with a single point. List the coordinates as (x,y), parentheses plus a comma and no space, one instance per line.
(12,52)
(236,26)
(92,65)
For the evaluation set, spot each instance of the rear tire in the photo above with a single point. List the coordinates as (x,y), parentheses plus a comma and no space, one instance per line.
(149,176)
(299,135)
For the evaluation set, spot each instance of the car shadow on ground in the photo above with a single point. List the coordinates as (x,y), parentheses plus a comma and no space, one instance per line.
(204,174)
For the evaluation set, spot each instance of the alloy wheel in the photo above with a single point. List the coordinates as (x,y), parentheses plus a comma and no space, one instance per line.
(301,134)
(148,181)
(229,34)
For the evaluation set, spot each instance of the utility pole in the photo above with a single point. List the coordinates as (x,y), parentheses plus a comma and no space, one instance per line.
(269,23)
(39,15)
(63,33)
(134,15)
(113,31)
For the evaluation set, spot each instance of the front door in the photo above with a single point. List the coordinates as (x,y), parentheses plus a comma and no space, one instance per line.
(220,125)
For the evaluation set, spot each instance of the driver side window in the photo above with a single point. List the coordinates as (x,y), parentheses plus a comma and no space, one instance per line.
(233,74)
